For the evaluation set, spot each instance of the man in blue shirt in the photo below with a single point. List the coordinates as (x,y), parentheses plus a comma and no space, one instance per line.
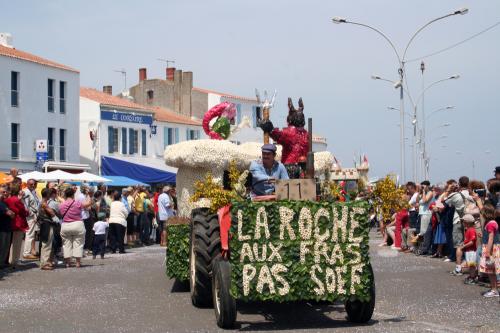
(266,171)
(165,211)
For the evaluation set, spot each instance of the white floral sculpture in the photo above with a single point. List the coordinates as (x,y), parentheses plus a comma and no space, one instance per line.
(197,157)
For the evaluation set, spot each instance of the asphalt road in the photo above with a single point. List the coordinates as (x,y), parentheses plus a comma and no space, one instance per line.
(130,293)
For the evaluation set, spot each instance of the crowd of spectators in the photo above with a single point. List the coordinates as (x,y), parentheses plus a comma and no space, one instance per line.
(455,222)
(61,223)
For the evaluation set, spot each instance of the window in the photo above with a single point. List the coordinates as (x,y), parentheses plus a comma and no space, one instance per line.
(62,145)
(192,134)
(14,141)
(124,141)
(50,143)
(50,94)
(14,89)
(150,94)
(133,136)
(170,136)
(112,139)
(256,115)
(143,142)
(62,97)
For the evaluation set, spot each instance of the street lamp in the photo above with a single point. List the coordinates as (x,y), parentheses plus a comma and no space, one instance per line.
(401,63)
(452,77)
(446,108)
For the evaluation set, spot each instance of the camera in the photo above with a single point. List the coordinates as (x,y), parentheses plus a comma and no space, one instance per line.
(481,192)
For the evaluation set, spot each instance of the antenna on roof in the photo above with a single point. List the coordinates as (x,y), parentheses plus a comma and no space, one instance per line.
(167,61)
(124,73)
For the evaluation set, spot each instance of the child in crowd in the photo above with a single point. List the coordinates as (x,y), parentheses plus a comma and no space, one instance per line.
(469,247)
(490,257)
(99,245)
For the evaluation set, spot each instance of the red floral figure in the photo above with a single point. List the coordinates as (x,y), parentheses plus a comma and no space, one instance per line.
(294,138)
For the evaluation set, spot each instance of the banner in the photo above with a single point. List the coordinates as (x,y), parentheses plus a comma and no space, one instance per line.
(300,250)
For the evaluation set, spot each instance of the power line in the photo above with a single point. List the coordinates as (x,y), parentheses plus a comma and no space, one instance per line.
(454,45)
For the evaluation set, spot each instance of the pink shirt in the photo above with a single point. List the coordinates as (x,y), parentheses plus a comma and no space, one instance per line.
(74,210)
(492,226)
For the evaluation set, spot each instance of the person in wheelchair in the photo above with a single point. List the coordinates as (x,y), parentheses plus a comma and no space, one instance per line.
(266,171)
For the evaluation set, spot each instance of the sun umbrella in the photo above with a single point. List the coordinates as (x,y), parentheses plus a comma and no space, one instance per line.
(91,178)
(5,178)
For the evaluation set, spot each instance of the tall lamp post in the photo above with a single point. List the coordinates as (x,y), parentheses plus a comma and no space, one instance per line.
(401,63)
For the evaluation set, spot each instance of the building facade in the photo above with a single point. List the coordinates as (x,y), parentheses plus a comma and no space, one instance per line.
(38,101)
(119,136)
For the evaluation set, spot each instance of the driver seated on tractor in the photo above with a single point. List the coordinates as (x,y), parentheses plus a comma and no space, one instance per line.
(266,171)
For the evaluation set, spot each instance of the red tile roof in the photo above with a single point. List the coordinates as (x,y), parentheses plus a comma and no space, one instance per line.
(206,91)
(163,114)
(18,54)
(107,99)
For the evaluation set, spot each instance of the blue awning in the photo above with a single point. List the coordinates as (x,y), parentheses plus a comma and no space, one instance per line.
(123,181)
(115,167)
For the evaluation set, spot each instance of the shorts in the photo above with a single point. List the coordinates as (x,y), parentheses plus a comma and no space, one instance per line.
(470,258)
(130,223)
(495,257)
(458,235)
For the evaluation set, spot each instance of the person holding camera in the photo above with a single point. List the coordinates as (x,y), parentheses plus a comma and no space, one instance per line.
(425,199)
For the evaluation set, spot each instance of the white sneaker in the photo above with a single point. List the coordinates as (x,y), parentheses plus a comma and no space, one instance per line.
(447,260)
(491,293)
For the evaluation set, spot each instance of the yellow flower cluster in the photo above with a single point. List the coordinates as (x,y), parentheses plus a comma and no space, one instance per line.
(209,189)
(389,199)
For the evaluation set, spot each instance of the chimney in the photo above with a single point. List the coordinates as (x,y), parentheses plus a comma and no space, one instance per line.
(142,74)
(170,73)
(107,90)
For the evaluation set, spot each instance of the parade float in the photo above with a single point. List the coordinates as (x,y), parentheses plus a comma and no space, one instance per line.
(299,244)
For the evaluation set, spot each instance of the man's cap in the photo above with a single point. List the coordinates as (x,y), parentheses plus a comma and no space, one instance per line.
(468,218)
(124,190)
(426,182)
(269,147)
(497,169)
(166,188)
(129,189)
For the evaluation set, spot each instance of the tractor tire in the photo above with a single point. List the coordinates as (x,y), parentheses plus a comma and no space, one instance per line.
(204,248)
(224,303)
(361,312)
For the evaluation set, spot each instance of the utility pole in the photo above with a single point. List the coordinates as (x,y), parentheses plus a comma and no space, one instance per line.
(423,139)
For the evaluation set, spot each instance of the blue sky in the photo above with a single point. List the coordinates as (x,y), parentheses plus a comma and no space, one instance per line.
(292,46)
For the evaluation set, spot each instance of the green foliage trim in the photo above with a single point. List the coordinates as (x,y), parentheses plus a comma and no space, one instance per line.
(178,251)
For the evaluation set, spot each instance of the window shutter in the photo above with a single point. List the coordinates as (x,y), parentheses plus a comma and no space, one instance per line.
(197,134)
(143,142)
(254,116)
(124,141)
(187,134)
(131,141)
(176,135)
(110,139)
(238,114)
(165,136)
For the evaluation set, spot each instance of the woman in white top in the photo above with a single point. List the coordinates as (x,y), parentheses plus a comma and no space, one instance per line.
(117,223)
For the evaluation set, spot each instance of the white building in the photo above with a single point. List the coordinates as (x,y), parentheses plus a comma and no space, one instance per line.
(121,138)
(38,101)
(246,109)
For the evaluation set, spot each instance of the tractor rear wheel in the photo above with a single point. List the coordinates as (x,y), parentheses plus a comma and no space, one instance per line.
(224,303)
(204,248)
(361,312)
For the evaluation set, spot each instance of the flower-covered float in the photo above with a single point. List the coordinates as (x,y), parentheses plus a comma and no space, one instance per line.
(280,250)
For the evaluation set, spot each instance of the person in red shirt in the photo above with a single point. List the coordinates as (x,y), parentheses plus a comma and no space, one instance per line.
(469,246)
(19,224)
